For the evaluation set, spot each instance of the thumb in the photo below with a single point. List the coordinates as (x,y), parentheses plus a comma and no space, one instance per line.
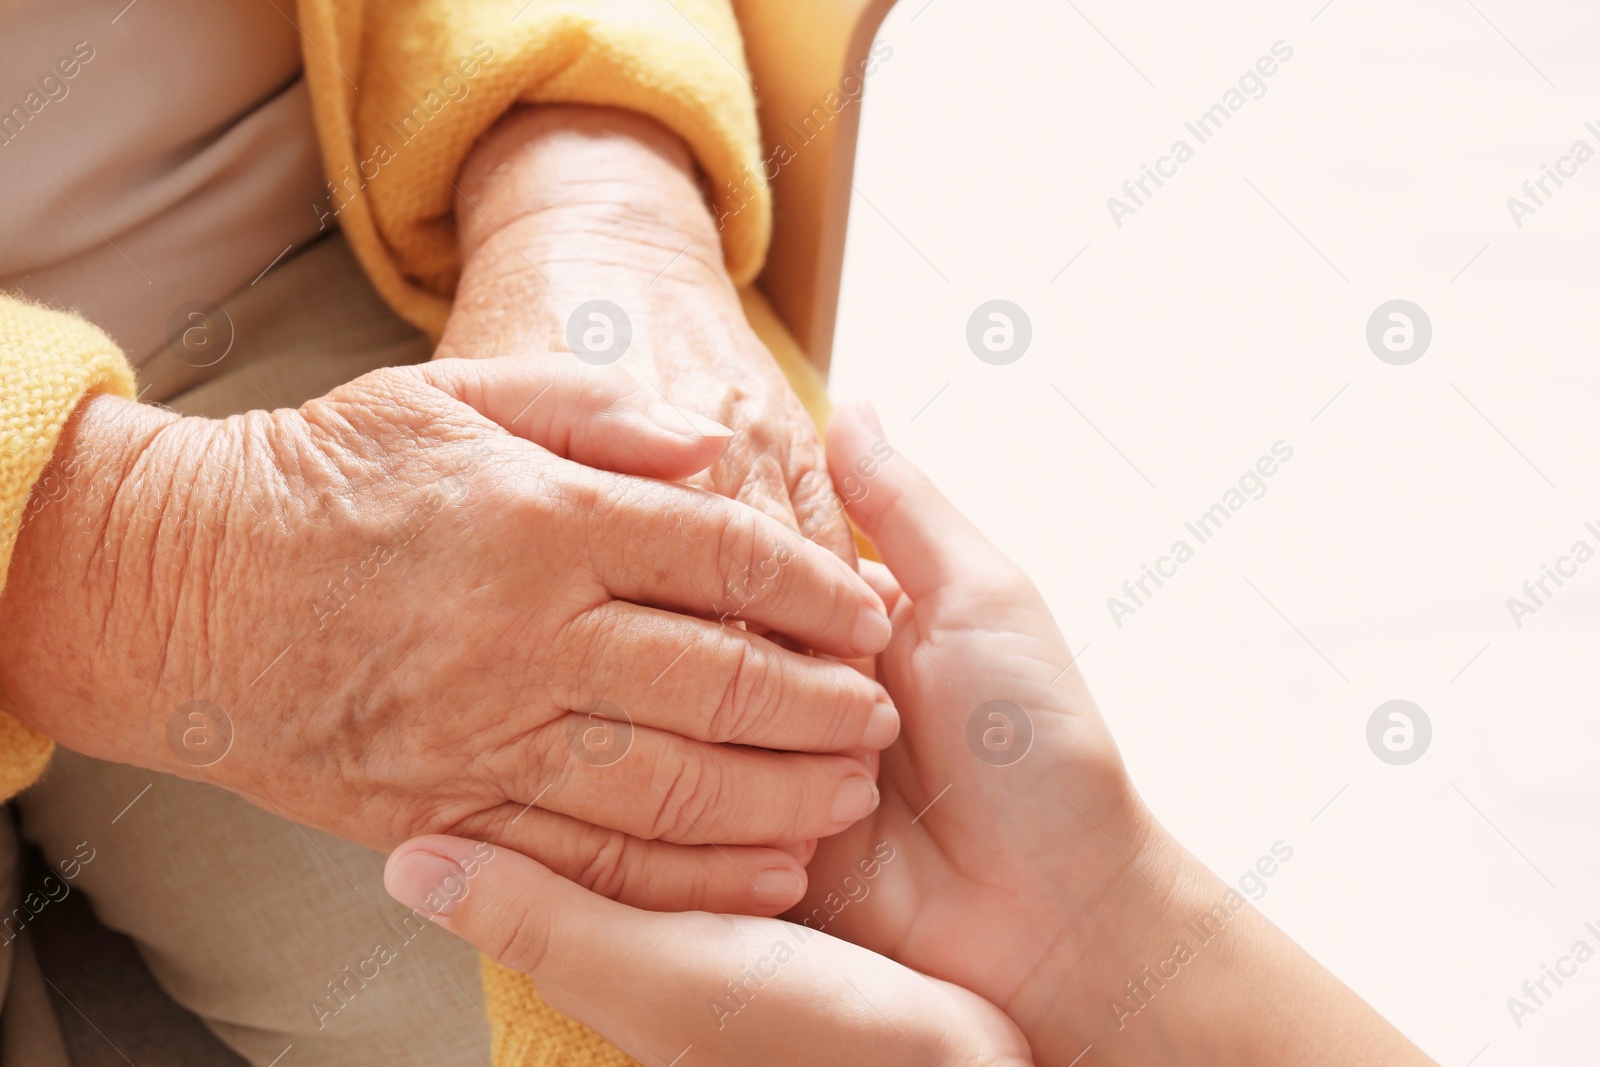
(571,941)
(655,984)
(639,978)
(601,417)
(924,540)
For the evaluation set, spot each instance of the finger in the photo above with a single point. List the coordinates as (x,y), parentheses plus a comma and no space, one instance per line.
(658,875)
(753,472)
(802,851)
(843,1005)
(704,554)
(923,538)
(505,903)
(657,785)
(721,684)
(883,583)
(817,507)
(598,416)
(575,945)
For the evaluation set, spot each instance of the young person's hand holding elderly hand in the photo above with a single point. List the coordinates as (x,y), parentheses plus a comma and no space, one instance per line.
(1028,870)
(420,604)
(1010,860)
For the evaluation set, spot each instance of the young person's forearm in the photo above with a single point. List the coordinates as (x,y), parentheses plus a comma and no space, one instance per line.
(1187,973)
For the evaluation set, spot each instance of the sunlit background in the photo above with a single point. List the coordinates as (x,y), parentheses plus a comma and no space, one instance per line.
(1229,313)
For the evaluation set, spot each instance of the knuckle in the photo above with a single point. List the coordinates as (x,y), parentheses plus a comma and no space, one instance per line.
(389,382)
(612,388)
(848,701)
(536,494)
(806,807)
(738,554)
(580,653)
(691,791)
(635,529)
(748,697)
(525,943)
(843,605)
(818,506)
(607,871)
(693,893)
(551,757)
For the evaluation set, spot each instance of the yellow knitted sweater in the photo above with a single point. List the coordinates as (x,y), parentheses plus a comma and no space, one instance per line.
(369,65)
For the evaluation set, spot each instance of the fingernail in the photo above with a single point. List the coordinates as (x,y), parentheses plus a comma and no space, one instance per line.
(779,887)
(431,884)
(857,797)
(676,420)
(883,726)
(869,415)
(872,631)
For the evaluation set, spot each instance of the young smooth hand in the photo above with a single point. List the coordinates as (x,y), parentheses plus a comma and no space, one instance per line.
(696,988)
(1025,866)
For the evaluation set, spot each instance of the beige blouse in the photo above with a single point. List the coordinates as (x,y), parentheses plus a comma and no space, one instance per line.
(151,155)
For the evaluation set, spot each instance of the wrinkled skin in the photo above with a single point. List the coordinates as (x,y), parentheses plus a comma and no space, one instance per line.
(562,205)
(407,597)
(1005,877)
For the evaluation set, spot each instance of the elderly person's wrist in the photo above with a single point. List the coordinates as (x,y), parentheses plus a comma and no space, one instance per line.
(80,553)
(563,187)
(562,205)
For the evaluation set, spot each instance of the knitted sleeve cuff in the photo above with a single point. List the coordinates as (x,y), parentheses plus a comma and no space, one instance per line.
(435,75)
(49,361)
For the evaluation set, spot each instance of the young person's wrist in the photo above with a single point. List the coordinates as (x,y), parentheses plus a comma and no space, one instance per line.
(1104,943)
(1166,986)
(1182,970)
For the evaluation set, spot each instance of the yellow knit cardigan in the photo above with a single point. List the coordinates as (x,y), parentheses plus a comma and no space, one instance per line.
(369,65)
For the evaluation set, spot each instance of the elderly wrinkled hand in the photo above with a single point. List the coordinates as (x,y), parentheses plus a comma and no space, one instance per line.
(562,207)
(424,609)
